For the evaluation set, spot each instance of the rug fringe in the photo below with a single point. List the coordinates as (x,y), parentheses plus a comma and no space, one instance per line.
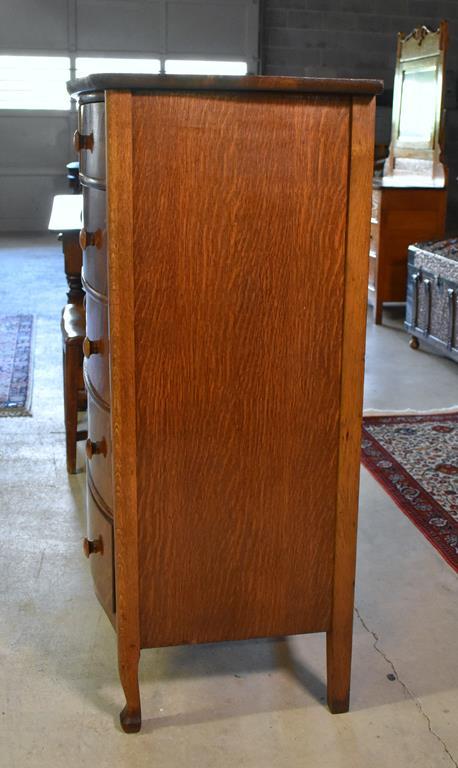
(409,411)
(4,414)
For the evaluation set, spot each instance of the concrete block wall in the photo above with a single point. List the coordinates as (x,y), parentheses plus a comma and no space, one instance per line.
(346,38)
(357,38)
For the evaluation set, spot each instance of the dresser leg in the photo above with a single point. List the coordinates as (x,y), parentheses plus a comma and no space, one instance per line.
(131,715)
(378,311)
(338,652)
(71,364)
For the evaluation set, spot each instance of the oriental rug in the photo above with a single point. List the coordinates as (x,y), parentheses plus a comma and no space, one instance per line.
(16,346)
(415,458)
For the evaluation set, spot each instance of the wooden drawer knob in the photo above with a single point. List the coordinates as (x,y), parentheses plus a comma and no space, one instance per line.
(91,238)
(93,546)
(94,448)
(83,141)
(91,347)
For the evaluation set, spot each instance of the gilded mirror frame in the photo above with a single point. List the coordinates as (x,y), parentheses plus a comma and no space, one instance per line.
(420,56)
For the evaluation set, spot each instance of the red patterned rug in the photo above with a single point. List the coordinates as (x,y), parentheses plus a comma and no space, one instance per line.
(415,458)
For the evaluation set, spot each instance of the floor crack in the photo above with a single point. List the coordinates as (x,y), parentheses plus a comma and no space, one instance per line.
(405,688)
(40,565)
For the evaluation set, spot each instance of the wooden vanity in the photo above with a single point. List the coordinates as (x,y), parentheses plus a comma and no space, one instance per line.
(225,266)
(409,201)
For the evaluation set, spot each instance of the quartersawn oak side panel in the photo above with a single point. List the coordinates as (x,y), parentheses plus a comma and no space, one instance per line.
(339,638)
(122,385)
(239,240)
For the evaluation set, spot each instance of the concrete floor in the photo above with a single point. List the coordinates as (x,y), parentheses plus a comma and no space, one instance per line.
(251,704)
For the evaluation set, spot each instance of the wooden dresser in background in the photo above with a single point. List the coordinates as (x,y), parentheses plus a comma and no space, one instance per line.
(225,267)
(400,216)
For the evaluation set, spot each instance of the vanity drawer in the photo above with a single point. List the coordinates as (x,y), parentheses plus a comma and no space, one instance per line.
(96,346)
(98,447)
(90,141)
(93,239)
(99,547)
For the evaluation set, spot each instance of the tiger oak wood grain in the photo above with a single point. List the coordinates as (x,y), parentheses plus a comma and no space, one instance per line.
(123,393)
(339,637)
(237,236)
(239,299)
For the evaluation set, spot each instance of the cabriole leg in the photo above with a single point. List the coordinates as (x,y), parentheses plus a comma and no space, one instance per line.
(131,715)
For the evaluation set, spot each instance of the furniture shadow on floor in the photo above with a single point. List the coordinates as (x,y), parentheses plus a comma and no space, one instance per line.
(228,667)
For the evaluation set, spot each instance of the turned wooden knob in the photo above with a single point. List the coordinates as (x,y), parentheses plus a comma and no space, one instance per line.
(93,546)
(91,238)
(91,347)
(83,141)
(94,448)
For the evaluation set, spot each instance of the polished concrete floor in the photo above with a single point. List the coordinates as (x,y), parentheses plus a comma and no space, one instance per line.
(252,704)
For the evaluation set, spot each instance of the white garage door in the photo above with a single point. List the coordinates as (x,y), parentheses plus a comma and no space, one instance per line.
(36,122)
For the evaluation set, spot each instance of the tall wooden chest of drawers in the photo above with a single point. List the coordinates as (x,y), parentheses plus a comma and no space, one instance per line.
(226,230)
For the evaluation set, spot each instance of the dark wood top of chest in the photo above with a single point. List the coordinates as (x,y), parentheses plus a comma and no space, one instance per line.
(144,82)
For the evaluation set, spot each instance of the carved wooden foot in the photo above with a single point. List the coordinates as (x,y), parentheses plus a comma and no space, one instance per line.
(131,719)
(414,343)
(131,715)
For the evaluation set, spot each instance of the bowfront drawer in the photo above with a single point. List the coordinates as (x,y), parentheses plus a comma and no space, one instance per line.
(90,142)
(96,346)
(99,548)
(93,239)
(98,447)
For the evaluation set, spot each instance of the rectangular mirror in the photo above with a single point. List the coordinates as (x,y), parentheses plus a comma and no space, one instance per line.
(418,107)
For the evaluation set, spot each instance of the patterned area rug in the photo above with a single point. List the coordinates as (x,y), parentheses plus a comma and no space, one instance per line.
(16,343)
(415,458)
